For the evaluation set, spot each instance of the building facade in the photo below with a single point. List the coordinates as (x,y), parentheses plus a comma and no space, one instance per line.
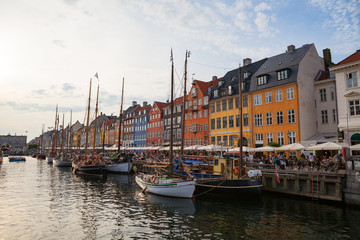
(155,127)
(177,116)
(140,125)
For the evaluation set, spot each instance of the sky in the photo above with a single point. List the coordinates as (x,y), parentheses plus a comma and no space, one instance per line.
(50,49)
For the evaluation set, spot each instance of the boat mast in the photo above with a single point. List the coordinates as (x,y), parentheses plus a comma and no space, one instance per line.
(54,134)
(171,113)
(120,115)
(240,122)
(187,54)
(62,135)
(96,110)
(87,121)
(70,141)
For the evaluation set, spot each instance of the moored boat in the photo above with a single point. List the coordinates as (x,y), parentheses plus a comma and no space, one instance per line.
(17,159)
(170,187)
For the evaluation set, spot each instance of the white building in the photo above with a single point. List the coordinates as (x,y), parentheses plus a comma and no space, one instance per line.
(348,97)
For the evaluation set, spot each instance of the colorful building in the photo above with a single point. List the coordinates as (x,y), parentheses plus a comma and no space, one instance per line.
(197,113)
(128,123)
(155,126)
(140,125)
(177,115)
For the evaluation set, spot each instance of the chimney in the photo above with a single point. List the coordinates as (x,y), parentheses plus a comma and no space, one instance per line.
(290,48)
(327,58)
(246,61)
(134,103)
(144,104)
(214,78)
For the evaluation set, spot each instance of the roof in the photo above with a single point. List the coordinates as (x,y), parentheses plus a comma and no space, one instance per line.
(204,86)
(109,122)
(352,58)
(160,105)
(287,60)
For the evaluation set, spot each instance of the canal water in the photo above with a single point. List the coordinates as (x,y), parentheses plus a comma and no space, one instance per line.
(40,201)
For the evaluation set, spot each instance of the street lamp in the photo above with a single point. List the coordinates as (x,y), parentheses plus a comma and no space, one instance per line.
(221,143)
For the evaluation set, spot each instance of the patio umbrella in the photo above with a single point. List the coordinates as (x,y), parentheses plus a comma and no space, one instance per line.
(211,148)
(325,146)
(355,147)
(244,148)
(193,147)
(265,149)
(291,147)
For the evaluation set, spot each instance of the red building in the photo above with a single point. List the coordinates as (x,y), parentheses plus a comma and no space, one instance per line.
(155,127)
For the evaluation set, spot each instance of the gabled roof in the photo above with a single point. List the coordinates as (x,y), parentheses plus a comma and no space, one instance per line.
(352,58)
(160,105)
(287,60)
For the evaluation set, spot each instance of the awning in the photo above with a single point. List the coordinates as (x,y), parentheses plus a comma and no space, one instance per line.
(324,137)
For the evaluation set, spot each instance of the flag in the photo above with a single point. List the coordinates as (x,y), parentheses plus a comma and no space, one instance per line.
(97,76)
(277,175)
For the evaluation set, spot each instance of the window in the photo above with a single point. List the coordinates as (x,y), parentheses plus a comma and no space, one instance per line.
(200,101)
(206,100)
(291,116)
(212,107)
(212,124)
(216,93)
(205,113)
(354,107)
(257,99)
(190,142)
(324,116)
(195,141)
(351,80)
(258,138)
(280,138)
(283,74)
(334,115)
(231,103)
(245,101)
(258,119)
(237,102)
(231,121)
(213,140)
(290,93)
(279,117)
(224,122)
(206,126)
(190,116)
(225,140)
(200,141)
(218,109)
(218,139)
(268,97)
(178,133)
(246,120)
(269,138)
(193,92)
(231,140)
(237,121)
(332,93)
(195,115)
(224,105)
(185,141)
(278,95)
(200,114)
(194,103)
(291,137)
(322,95)
(269,118)
(200,127)
(218,123)
(261,80)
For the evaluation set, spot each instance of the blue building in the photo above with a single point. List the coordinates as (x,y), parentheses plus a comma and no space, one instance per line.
(141,119)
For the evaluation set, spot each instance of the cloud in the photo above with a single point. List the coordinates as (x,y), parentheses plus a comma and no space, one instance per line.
(59,43)
(35,107)
(41,92)
(67,87)
(343,22)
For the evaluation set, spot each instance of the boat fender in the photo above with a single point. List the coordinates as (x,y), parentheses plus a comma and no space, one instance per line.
(236,170)
(153,178)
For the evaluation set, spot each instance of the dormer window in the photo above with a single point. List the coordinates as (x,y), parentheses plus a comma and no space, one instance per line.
(247,74)
(216,93)
(261,80)
(283,74)
(221,82)
(230,91)
(233,78)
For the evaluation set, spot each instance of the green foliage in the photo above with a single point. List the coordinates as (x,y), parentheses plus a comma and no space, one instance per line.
(32,146)
(272,144)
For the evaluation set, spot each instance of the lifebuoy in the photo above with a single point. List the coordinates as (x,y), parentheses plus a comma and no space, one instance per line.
(153,178)
(236,171)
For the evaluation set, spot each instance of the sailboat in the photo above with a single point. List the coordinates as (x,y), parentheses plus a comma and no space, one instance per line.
(86,164)
(52,154)
(41,155)
(228,176)
(167,185)
(122,162)
(64,158)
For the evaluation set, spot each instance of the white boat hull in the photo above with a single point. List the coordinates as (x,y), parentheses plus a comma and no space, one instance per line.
(167,187)
(119,167)
(62,163)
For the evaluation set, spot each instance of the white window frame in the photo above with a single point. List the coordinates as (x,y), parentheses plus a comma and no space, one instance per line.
(278,96)
(268,97)
(290,93)
(257,100)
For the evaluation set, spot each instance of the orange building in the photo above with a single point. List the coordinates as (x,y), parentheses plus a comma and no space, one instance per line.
(155,126)
(197,113)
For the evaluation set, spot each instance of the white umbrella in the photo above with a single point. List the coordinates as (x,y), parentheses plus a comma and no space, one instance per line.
(291,147)
(211,148)
(193,147)
(154,148)
(325,146)
(265,149)
(355,147)
(244,148)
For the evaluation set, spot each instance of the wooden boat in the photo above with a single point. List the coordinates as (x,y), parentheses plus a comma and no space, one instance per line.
(17,159)
(166,185)
(63,160)
(90,164)
(120,163)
